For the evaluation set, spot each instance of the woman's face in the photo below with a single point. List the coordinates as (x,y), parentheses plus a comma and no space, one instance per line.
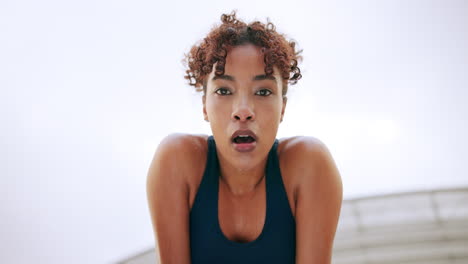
(244,107)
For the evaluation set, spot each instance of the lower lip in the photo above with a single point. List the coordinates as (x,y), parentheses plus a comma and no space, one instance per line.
(245,147)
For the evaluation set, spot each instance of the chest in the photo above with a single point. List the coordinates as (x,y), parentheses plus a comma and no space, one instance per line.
(242,219)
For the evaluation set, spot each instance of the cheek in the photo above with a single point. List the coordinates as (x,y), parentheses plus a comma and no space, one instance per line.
(217,109)
(274,108)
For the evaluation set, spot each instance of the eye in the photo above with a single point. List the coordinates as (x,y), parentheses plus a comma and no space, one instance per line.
(263,92)
(223,91)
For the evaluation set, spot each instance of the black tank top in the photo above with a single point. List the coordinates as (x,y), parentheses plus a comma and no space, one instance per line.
(275,244)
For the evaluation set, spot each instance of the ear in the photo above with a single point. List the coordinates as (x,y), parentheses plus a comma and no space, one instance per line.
(205,115)
(285,100)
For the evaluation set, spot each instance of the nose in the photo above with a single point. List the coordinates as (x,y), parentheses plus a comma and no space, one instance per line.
(243,111)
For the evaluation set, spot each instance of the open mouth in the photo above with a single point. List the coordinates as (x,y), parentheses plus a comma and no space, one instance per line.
(243,139)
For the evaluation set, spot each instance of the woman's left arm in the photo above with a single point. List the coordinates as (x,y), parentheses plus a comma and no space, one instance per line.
(319,197)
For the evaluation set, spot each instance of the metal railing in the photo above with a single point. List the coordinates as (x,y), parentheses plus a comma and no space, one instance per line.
(412,227)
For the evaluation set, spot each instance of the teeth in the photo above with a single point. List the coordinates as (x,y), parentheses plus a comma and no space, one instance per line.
(243,136)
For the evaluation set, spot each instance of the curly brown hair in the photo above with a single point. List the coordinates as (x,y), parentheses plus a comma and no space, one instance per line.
(232,32)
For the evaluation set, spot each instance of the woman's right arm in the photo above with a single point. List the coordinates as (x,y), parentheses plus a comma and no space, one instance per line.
(168,199)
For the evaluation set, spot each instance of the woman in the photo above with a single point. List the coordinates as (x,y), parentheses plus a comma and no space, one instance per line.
(241,196)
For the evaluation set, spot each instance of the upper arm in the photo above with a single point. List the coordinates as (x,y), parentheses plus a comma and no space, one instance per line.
(319,198)
(167,193)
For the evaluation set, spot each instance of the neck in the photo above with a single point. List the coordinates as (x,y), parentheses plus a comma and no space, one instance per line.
(242,182)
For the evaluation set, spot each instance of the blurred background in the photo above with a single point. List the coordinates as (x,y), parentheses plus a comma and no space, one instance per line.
(89,88)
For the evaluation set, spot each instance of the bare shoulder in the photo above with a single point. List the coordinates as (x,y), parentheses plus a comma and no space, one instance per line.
(309,163)
(183,142)
(180,155)
(301,154)
(297,144)
(319,192)
(175,163)
(181,159)
(183,150)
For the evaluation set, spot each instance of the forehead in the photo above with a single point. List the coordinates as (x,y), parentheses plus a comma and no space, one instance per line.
(247,61)
(244,62)
(243,56)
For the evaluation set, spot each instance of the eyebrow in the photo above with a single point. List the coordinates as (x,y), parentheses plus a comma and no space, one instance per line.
(260,77)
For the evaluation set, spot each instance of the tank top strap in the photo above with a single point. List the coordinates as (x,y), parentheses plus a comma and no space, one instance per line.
(276,192)
(272,162)
(206,196)
(273,171)
(212,166)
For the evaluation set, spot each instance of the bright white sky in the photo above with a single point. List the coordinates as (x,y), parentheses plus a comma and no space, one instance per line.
(89,88)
